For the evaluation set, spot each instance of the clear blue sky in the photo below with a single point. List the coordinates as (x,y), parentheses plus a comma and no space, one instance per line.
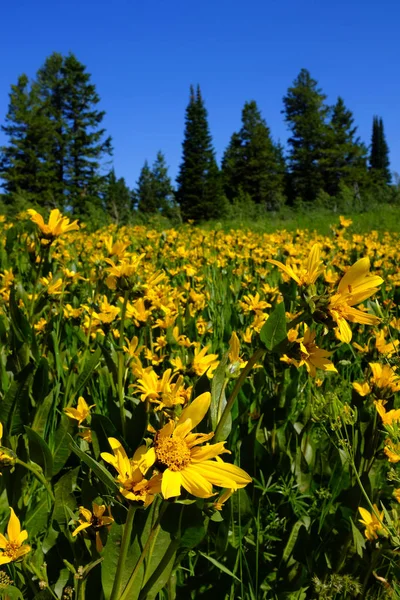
(143,55)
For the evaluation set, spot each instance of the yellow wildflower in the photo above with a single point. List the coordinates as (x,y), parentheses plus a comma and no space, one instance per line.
(92,523)
(307,273)
(203,362)
(355,286)
(56,226)
(80,413)
(13,548)
(183,463)
(373,525)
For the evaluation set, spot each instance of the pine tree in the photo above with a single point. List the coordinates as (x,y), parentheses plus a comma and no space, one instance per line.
(305,113)
(344,160)
(145,192)
(379,156)
(199,193)
(163,190)
(54,133)
(23,162)
(118,199)
(252,163)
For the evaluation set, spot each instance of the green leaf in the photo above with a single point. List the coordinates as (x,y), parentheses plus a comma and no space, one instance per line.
(110,554)
(39,452)
(41,418)
(359,542)
(100,471)
(273,331)
(87,371)
(20,323)
(11,593)
(292,539)
(219,565)
(65,498)
(60,446)
(218,399)
(13,408)
(37,517)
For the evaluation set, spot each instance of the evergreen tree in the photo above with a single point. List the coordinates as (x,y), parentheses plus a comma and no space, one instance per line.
(23,163)
(379,156)
(145,192)
(118,199)
(199,193)
(305,113)
(54,134)
(344,160)
(252,163)
(163,190)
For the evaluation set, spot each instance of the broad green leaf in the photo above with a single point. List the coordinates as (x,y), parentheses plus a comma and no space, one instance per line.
(218,399)
(273,331)
(97,468)
(65,498)
(40,452)
(37,517)
(87,371)
(41,418)
(359,542)
(60,445)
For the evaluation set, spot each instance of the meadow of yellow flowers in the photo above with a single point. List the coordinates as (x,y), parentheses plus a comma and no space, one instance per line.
(198,414)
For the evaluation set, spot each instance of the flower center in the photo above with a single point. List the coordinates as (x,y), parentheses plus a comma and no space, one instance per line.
(11,549)
(172,452)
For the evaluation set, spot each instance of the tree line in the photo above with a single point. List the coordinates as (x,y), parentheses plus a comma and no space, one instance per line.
(57,154)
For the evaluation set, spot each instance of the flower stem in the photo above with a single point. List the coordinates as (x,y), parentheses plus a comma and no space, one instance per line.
(126,538)
(153,532)
(239,382)
(121,366)
(39,476)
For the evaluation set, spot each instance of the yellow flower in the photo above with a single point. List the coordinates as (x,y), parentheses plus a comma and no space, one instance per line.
(373,525)
(183,463)
(384,377)
(355,286)
(308,272)
(388,418)
(219,504)
(383,347)
(396,494)
(345,222)
(310,355)
(80,413)
(203,362)
(392,452)
(56,226)
(95,521)
(13,548)
(362,389)
(133,485)
(236,362)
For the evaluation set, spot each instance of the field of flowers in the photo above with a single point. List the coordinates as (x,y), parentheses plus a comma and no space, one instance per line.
(198,414)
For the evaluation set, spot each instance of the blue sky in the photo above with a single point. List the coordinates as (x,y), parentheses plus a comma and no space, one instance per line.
(144,55)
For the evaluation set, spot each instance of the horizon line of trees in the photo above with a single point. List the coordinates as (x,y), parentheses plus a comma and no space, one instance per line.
(58,155)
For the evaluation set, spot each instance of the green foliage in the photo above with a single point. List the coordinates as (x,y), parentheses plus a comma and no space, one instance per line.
(199,193)
(379,155)
(252,165)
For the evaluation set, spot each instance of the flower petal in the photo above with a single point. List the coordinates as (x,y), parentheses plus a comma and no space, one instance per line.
(171,484)
(196,410)
(14,527)
(196,484)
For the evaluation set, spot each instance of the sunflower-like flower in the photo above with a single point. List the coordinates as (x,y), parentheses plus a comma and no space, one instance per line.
(356,285)
(13,548)
(133,485)
(81,412)
(373,525)
(305,274)
(56,226)
(92,523)
(177,453)
(310,355)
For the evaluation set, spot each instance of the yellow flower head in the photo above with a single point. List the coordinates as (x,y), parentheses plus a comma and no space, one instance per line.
(81,413)
(56,226)
(92,523)
(373,525)
(308,272)
(13,548)
(356,285)
(176,453)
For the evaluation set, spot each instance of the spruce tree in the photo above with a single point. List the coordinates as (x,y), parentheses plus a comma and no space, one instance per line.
(305,113)
(163,190)
(145,192)
(54,133)
(252,164)
(199,192)
(118,199)
(344,160)
(23,162)
(379,155)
